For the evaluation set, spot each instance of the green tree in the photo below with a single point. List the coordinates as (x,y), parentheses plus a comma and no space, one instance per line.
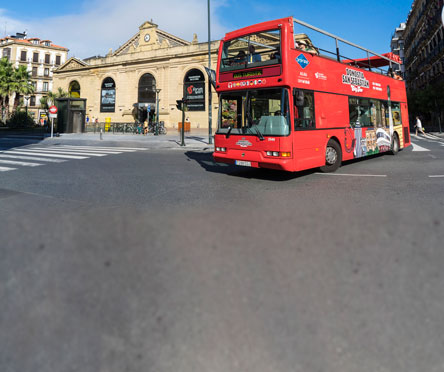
(13,80)
(6,86)
(22,84)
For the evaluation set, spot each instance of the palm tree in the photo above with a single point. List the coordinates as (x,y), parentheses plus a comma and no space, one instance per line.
(6,85)
(13,80)
(22,84)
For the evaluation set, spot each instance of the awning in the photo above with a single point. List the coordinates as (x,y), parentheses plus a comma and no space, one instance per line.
(375,61)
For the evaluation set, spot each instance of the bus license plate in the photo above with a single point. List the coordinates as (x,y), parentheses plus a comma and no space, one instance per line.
(243,163)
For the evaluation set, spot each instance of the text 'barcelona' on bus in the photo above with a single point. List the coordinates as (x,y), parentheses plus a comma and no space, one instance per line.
(289,104)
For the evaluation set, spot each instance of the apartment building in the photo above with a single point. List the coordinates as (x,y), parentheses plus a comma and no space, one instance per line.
(41,57)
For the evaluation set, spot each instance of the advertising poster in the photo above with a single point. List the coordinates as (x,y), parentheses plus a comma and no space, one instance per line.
(108,96)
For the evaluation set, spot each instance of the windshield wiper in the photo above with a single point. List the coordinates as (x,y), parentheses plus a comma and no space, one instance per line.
(227,135)
(250,120)
(259,134)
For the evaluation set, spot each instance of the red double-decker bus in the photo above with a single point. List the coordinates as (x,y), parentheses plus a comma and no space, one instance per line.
(287,104)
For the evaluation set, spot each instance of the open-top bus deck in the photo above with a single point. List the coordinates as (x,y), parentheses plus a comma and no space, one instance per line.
(284,105)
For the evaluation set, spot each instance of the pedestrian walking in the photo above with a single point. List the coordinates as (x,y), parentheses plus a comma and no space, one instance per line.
(145,127)
(418,126)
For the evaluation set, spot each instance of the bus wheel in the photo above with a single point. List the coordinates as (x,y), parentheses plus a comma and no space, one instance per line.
(395,144)
(333,157)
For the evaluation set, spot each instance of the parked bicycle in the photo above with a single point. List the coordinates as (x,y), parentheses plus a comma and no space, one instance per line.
(160,128)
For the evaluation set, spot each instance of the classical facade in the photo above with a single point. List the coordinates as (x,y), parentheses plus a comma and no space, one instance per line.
(41,57)
(424,44)
(146,75)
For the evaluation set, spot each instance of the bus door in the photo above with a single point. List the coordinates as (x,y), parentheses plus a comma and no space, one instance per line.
(308,147)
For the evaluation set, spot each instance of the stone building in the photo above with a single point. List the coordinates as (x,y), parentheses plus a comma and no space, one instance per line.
(41,57)
(152,68)
(424,44)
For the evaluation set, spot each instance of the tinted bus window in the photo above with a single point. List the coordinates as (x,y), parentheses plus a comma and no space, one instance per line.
(304,109)
(260,49)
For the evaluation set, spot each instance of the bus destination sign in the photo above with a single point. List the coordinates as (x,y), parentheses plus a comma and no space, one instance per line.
(247,74)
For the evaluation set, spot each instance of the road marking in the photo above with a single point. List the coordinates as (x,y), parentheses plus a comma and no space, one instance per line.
(116,148)
(94,151)
(418,148)
(104,149)
(31,158)
(5,169)
(353,175)
(25,164)
(25,152)
(437,176)
(56,151)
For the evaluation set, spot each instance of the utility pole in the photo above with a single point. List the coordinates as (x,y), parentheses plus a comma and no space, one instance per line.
(210,100)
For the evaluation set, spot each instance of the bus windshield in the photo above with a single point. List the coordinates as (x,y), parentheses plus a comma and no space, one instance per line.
(261,112)
(259,49)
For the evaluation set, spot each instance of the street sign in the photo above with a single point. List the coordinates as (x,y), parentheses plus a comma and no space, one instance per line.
(53,116)
(53,110)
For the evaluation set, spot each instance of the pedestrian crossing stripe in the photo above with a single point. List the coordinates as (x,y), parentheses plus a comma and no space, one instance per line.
(116,148)
(35,158)
(22,163)
(40,155)
(57,151)
(49,155)
(5,169)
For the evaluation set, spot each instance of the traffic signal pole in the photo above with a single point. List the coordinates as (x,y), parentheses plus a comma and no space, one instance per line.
(182,132)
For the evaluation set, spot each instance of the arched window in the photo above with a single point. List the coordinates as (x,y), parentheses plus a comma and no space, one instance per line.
(147,89)
(194,90)
(108,95)
(74,89)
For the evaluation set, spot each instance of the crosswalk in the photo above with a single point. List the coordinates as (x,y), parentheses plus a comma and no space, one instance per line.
(34,156)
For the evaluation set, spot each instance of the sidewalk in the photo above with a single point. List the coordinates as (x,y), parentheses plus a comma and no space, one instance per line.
(196,139)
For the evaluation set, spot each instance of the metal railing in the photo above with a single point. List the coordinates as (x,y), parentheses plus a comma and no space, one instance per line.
(338,39)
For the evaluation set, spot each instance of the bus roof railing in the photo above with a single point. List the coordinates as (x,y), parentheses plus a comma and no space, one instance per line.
(337,38)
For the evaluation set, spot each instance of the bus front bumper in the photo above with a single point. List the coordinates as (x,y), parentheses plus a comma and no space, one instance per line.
(253,159)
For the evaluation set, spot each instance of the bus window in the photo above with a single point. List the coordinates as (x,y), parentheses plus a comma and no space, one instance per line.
(231,111)
(362,112)
(304,117)
(259,112)
(259,49)
(396,113)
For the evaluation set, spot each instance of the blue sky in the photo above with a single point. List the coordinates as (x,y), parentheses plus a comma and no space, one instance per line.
(93,27)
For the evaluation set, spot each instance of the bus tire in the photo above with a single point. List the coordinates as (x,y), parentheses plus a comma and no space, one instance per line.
(333,157)
(395,144)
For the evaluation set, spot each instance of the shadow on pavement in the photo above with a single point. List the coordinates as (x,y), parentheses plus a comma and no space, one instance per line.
(11,139)
(206,161)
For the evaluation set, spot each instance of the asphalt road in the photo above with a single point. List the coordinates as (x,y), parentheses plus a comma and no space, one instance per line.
(162,260)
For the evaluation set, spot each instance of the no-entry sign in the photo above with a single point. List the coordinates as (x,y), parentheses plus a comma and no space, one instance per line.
(53,110)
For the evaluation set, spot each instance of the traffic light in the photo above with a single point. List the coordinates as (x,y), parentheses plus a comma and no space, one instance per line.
(179,104)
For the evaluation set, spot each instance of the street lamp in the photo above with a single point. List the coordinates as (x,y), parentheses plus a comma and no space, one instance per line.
(210,100)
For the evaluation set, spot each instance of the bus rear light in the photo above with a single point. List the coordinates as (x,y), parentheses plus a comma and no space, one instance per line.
(221,149)
(286,154)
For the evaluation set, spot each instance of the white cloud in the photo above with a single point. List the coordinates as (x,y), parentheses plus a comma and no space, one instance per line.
(105,24)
